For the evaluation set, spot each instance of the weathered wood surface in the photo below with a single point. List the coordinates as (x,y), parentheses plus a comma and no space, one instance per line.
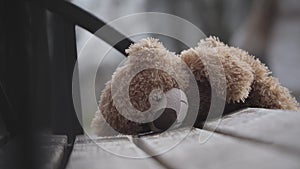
(54,147)
(5,154)
(251,138)
(3,134)
(49,150)
(281,128)
(219,151)
(2,139)
(87,154)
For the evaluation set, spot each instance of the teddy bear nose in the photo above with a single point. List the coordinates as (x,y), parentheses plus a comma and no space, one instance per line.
(164,121)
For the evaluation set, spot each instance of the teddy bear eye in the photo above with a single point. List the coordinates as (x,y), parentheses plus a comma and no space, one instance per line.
(157,98)
(156,95)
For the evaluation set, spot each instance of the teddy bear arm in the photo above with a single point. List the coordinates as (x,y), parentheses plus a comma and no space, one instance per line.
(108,120)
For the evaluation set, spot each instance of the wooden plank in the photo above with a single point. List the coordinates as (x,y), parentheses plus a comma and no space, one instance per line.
(3,133)
(54,148)
(49,152)
(87,154)
(7,152)
(218,152)
(281,128)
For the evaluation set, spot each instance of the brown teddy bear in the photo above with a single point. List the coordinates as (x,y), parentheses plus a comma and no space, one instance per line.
(148,93)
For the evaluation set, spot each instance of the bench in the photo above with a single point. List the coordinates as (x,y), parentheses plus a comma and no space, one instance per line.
(250,138)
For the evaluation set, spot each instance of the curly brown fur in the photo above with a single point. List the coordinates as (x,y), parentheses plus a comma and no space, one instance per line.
(249,83)
(266,91)
(148,52)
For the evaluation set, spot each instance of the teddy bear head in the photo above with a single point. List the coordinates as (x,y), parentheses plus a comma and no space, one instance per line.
(144,94)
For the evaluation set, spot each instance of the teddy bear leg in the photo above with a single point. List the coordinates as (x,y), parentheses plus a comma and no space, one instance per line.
(266,91)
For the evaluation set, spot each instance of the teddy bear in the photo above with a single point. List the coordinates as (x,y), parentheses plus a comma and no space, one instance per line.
(149,92)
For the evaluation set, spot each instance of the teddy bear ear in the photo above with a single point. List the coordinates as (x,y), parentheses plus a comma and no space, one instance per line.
(144,45)
(211,42)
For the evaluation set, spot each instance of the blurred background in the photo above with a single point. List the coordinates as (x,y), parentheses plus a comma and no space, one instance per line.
(268,29)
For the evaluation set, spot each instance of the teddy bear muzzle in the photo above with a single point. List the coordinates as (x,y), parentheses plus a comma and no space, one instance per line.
(173,114)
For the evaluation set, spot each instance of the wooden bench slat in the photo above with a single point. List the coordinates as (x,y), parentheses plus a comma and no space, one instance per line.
(281,128)
(218,152)
(49,149)
(54,148)
(87,154)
